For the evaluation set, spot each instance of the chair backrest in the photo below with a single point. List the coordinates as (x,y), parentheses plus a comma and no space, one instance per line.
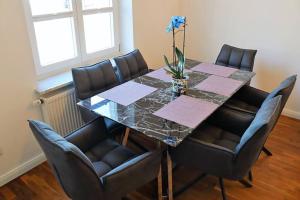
(72,168)
(254,138)
(242,59)
(130,66)
(94,79)
(284,89)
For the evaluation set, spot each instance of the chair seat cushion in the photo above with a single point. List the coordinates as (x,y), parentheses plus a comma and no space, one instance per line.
(214,135)
(107,155)
(240,105)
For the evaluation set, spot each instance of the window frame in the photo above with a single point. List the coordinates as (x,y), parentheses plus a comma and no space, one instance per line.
(82,57)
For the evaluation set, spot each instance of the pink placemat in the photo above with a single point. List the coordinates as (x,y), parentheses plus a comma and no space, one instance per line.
(214,69)
(219,85)
(162,74)
(187,111)
(127,93)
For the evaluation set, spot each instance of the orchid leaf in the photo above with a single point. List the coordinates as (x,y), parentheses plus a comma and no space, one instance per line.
(181,61)
(173,71)
(168,71)
(167,61)
(178,70)
(174,75)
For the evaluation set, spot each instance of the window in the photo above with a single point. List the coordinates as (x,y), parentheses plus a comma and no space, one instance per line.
(66,33)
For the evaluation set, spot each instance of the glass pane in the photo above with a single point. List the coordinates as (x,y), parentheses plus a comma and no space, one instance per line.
(99,33)
(55,40)
(42,7)
(96,4)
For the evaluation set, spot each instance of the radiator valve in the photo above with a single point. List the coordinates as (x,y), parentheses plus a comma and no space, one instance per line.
(37,102)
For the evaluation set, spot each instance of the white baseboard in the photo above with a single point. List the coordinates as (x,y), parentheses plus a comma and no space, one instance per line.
(291,113)
(20,170)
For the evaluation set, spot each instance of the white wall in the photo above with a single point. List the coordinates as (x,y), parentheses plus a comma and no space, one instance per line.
(271,26)
(150,19)
(17,81)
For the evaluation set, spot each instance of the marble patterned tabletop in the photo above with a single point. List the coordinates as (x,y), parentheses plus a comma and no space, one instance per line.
(139,115)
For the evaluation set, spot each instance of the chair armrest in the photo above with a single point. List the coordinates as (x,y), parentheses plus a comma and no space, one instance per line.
(210,145)
(133,174)
(207,158)
(88,135)
(251,95)
(231,120)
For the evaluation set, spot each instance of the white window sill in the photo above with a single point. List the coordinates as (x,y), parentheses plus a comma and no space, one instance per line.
(65,79)
(54,83)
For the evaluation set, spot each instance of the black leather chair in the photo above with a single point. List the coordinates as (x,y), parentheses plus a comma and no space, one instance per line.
(219,148)
(92,80)
(249,99)
(90,166)
(130,66)
(242,59)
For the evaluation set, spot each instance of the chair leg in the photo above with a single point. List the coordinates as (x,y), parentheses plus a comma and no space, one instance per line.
(266,151)
(245,183)
(125,137)
(170,177)
(159,185)
(250,176)
(222,188)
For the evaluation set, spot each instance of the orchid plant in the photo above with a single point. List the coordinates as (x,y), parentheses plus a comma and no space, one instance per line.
(176,69)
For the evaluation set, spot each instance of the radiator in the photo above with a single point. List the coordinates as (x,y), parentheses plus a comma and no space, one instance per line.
(59,109)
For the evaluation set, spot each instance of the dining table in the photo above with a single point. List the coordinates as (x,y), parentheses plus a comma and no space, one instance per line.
(148,105)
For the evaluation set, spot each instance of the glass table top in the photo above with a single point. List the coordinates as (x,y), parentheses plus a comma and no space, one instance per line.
(139,115)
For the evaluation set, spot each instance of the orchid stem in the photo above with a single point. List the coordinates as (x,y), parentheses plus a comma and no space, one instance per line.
(174,54)
(183,48)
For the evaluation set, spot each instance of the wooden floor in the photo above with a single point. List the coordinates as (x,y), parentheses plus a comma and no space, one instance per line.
(275,178)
